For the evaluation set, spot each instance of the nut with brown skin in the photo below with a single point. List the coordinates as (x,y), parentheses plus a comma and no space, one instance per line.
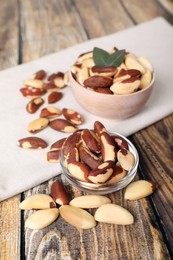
(54,97)
(108,149)
(32,142)
(126,86)
(34,104)
(62,125)
(72,156)
(50,112)
(37,125)
(117,174)
(72,116)
(31,92)
(59,193)
(108,71)
(53,156)
(89,140)
(41,74)
(58,144)
(102,173)
(98,81)
(79,170)
(73,140)
(89,158)
(120,142)
(99,128)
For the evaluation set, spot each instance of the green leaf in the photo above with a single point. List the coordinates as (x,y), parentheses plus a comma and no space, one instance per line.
(116,58)
(100,56)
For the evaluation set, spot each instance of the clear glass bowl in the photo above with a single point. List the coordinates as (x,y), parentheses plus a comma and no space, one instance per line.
(104,188)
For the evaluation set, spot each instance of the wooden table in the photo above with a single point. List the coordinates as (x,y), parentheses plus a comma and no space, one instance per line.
(30,29)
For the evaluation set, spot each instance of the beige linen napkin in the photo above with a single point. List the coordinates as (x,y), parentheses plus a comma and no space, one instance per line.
(21,169)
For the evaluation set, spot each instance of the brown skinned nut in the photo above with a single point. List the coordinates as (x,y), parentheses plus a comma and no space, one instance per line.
(108,149)
(54,97)
(102,173)
(90,141)
(41,74)
(98,81)
(62,125)
(79,170)
(31,92)
(59,193)
(32,142)
(34,105)
(72,116)
(89,158)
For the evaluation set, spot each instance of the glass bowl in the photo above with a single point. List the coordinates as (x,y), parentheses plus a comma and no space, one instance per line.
(104,188)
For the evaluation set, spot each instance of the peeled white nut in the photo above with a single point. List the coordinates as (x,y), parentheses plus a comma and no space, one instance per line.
(122,88)
(113,214)
(36,83)
(82,75)
(89,201)
(145,62)
(77,217)
(42,218)
(132,63)
(38,201)
(146,79)
(126,159)
(138,190)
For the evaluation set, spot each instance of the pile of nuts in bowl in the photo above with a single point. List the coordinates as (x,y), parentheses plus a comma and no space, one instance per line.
(95,156)
(118,72)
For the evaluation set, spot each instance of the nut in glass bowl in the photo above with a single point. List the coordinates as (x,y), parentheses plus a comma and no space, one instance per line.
(115,90)
(111,168)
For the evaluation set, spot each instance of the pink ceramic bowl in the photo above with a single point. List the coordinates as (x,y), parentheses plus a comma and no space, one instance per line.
(110,106)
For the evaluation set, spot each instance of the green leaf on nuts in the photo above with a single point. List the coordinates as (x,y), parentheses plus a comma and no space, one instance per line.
(103,58)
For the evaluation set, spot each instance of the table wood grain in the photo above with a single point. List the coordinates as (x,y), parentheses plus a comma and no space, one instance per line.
(30,29)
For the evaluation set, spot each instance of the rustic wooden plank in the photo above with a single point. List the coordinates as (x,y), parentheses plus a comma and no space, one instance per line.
(48,26)
(155,147)
(10,229)
(141,11)
(9,213)
(103,17)
(9,34)
(167,4)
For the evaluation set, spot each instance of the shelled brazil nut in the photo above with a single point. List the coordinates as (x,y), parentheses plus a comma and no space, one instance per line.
(96,156)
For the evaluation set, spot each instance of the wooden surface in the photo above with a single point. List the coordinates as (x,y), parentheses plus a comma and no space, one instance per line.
(30,29)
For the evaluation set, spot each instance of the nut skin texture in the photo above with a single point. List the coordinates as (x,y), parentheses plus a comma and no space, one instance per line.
(32,142)
(90,141)
(72,141)
(50,112)
(41,74)
(59,193)
(102,173)
(53,156)
(34,105)
(108,149)
(31,92)
(37,201)
(62,125)
(120,142)
(42,218)
(72,116)
(117,174)
(89,201)
(89,158)
(138,190)
(113,214)
(37,125)
(98,81)
(79,170)
(58,144)
(54,97)
(77,217)
(99,128)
